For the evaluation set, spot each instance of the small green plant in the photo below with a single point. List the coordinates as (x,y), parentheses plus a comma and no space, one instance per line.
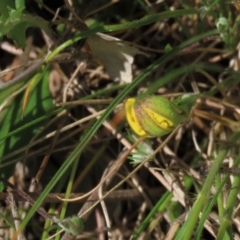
(14,21)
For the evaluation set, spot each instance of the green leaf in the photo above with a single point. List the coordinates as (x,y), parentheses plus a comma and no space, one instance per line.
(72,225)
(19,4)
(5,6)
(186,101)
(14,22)
(18,33)
(39,103)
(168,47)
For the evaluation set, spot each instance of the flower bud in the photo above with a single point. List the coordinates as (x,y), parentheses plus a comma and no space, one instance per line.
(154,116)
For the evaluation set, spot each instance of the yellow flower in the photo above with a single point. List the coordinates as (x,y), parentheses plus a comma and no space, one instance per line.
(154,116)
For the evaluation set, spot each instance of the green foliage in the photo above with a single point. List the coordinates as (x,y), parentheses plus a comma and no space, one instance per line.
(227,20)
(190,223)
(14,21)
(39,103)
(186,101)
(72,225)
